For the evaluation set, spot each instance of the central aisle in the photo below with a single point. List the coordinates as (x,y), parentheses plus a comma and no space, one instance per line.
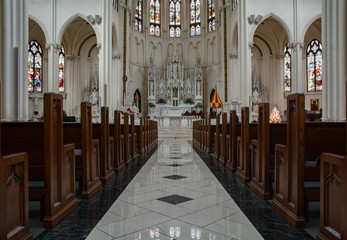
(174,196)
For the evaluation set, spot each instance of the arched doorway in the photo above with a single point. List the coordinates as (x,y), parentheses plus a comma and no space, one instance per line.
(137,99)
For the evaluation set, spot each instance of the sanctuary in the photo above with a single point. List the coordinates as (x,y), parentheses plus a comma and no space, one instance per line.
(174,90)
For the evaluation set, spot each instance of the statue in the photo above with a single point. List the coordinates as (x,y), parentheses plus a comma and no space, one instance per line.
(151,93)
(198,93)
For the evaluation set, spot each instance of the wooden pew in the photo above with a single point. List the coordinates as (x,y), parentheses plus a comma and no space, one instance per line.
(333,210)
(223,154)
(102,132)
(304,142)
(14,221)
(217,138)
(43,142)
(133,138)
(248,132)
(118,142)
(87,158)
(141,136)
(234,132)
(211,130)
(262,152)
(127,139)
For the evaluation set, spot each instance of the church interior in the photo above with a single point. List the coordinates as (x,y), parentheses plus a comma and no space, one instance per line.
(173,119)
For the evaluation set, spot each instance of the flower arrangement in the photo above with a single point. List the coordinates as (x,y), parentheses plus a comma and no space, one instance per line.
(36,113)
(161,100)
(189,101)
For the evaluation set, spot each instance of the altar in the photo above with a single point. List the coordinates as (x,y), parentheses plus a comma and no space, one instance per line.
(172,91)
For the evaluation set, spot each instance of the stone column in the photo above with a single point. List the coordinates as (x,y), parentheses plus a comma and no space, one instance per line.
(7,88)
(298,84)
(244,53)
(334,60)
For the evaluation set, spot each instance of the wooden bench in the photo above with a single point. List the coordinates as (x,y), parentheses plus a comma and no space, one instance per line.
(14,221)
(223,144)
(216,135)
(102,132)
(127,139)
(305,142)
(118,142)
(248,132)
(87,154)
(234,132)
(133,138)
(49,160)
(263,152)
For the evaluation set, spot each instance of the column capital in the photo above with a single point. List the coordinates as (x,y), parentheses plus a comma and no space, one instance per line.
(296,43)
(233,55)
(250,44)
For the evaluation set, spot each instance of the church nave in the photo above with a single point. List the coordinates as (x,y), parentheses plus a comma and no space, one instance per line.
(174,194)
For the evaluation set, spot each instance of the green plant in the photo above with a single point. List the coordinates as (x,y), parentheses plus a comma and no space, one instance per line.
(199,105)
(151,105)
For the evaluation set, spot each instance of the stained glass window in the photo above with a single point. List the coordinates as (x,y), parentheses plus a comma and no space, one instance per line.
(287,68)
(175,18)
(314,66)
(211,16)
(34,66)
(194,17)
(138,15)
(154,17)
(61,69)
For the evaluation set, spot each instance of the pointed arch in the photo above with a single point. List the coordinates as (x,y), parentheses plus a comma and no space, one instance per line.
(41,25)
(70,20)
(307,26)
(279,20)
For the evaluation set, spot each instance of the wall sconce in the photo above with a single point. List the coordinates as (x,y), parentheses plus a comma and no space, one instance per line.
(255,20)
(251,19)
(90,19)
(98,19)
(258,19)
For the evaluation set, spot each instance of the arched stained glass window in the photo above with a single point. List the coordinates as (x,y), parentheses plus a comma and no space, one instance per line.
(175,18)
(61,70)
(314,66)
(138,15)
(211,16)
(154,17)
(34,66)
(287,68)
(195,17)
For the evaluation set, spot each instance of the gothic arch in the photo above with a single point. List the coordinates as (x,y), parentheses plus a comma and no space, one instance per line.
(41,25)
(307,26)
(279,20)
(70,20)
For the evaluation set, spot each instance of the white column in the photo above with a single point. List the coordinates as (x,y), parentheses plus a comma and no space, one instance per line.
(52,48)
(244,53)
(334,60)
(23,108)
(298,84)
(7,110)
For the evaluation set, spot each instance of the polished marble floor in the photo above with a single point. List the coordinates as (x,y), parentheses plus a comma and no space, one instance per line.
(174,195)
(177,193)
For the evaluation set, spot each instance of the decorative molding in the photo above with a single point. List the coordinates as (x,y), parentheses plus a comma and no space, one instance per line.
(233,55)
(296,43)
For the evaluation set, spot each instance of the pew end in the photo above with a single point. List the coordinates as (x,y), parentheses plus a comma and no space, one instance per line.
(333,220)
(14,197)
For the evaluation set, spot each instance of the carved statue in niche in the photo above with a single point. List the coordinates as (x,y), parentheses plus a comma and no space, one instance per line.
(198,88)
